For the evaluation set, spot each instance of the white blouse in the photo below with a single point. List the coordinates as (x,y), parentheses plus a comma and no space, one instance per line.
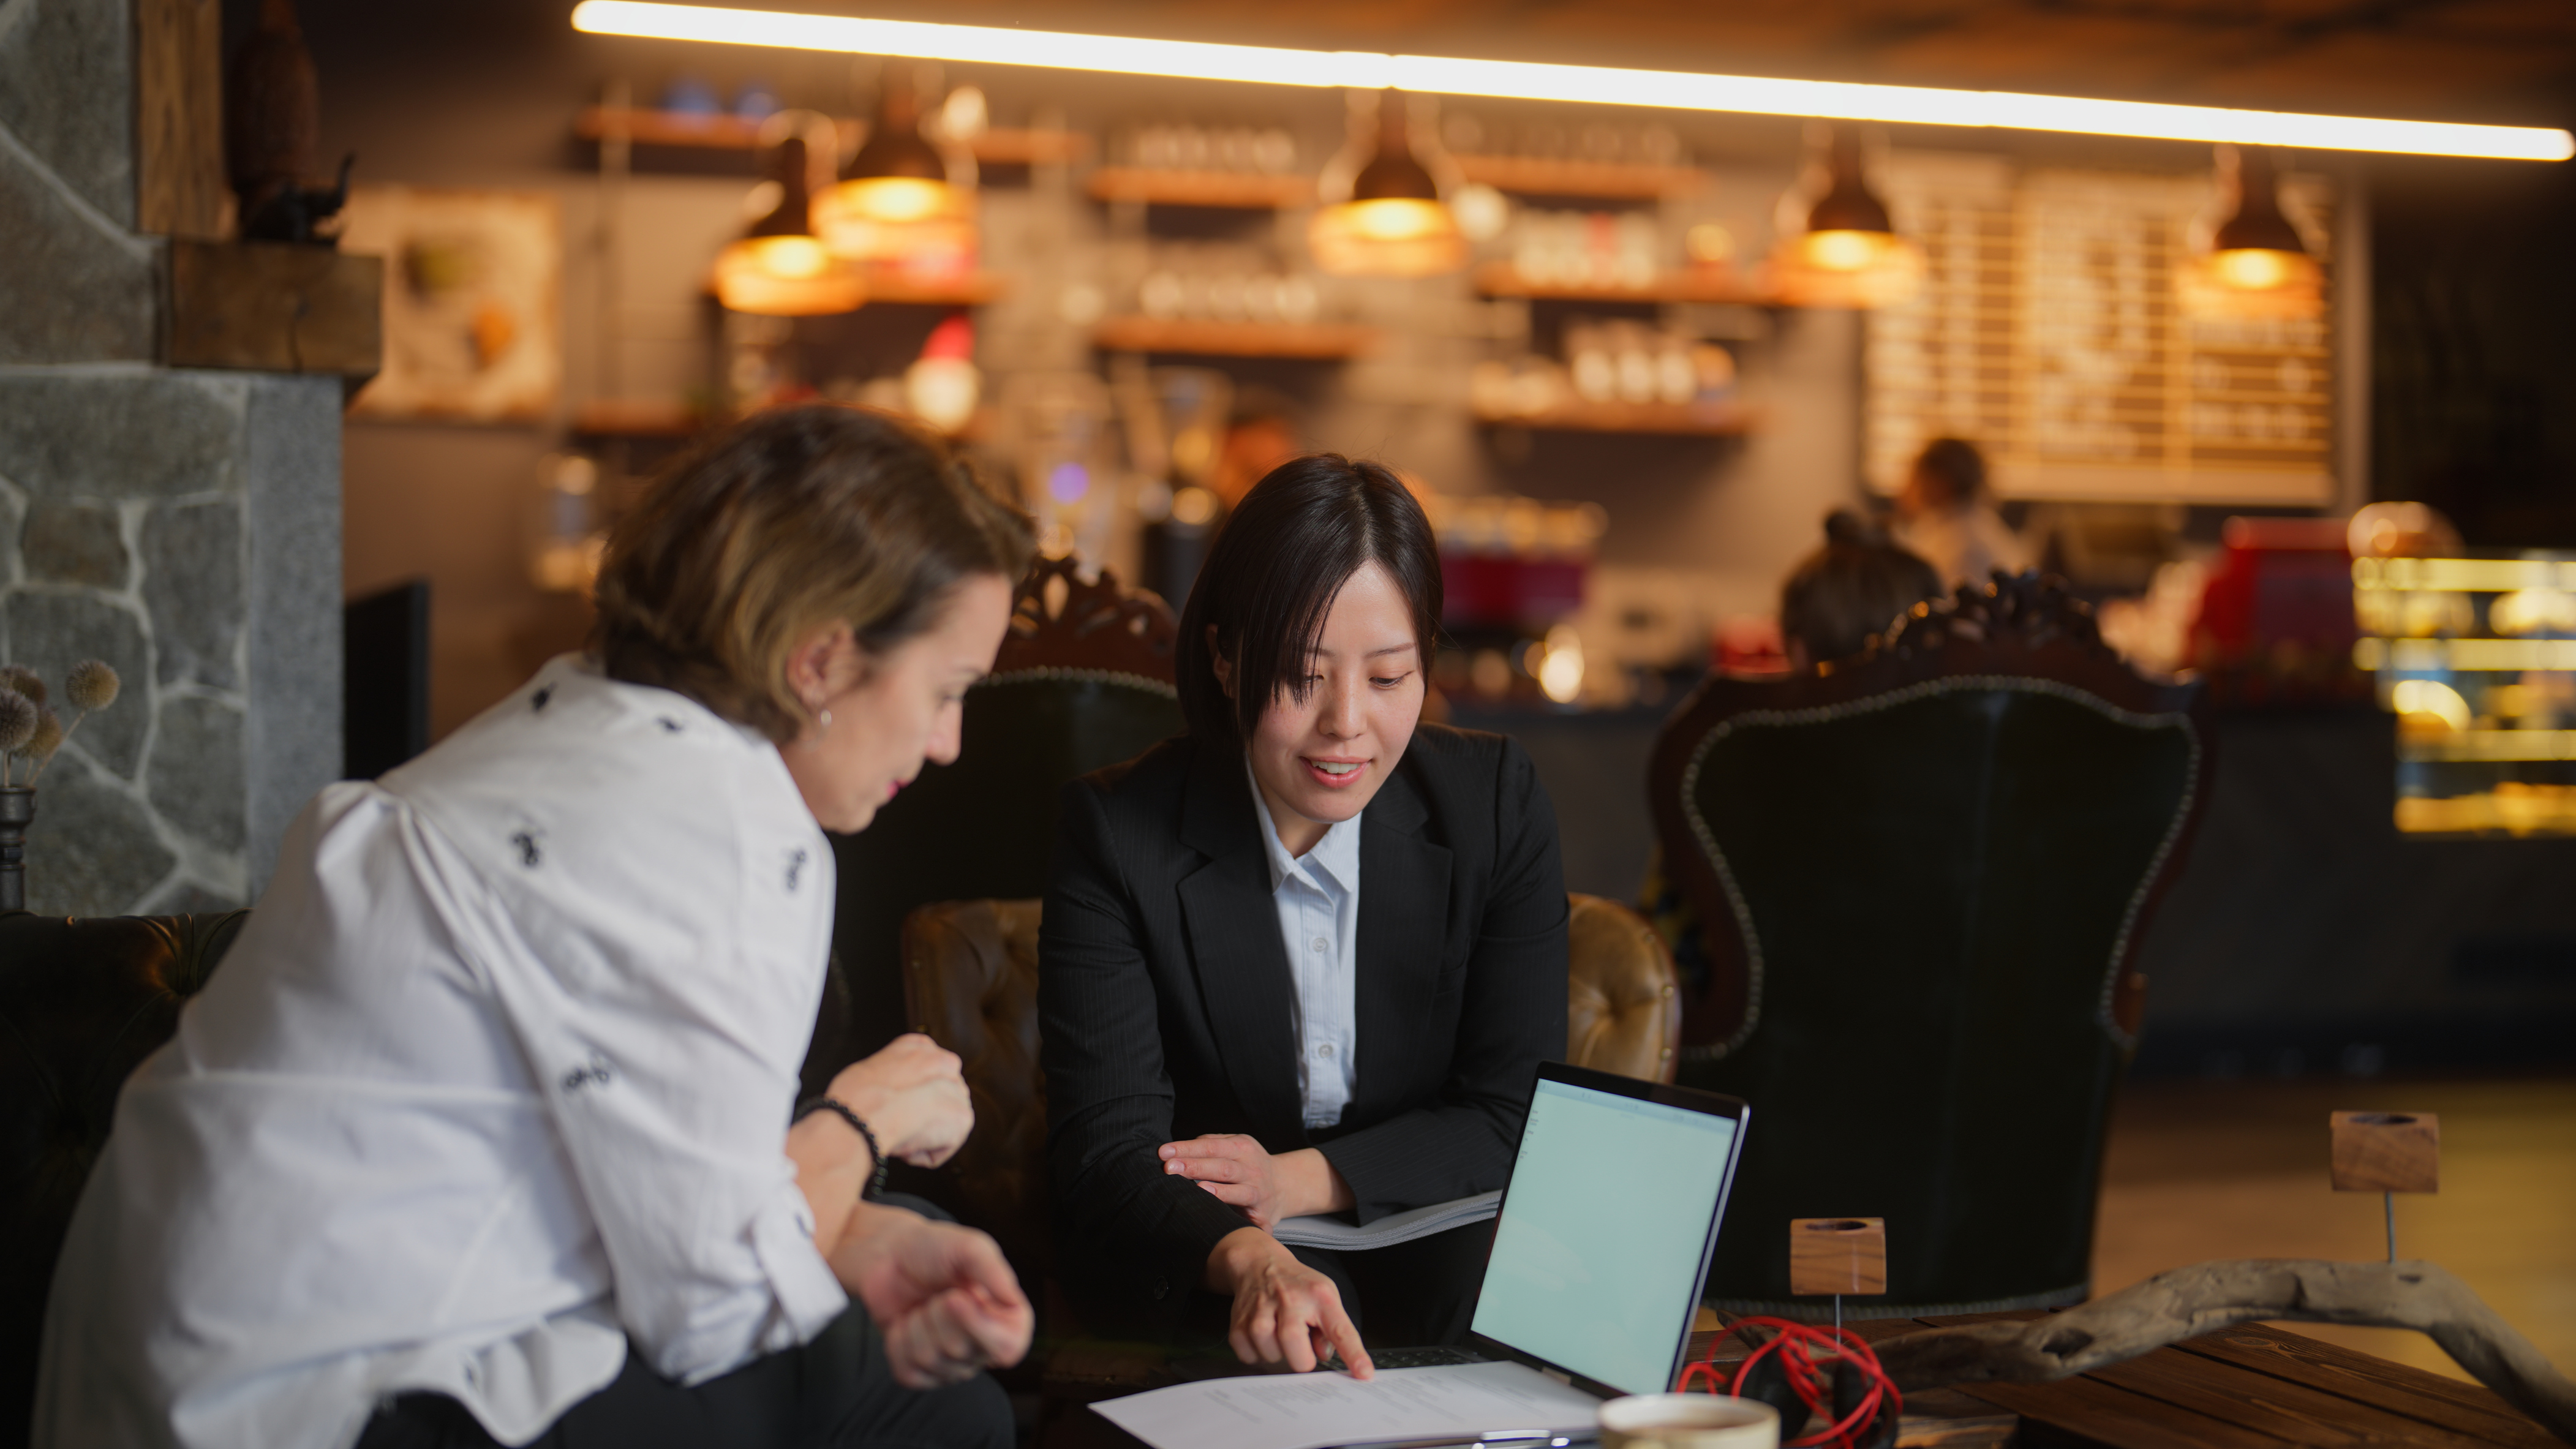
(1317,896)
(497,1076)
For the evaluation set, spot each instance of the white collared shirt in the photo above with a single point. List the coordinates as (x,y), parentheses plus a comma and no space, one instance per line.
(1318,899)
(497,1076)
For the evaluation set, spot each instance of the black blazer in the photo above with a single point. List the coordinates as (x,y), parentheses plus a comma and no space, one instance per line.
(1167,1006)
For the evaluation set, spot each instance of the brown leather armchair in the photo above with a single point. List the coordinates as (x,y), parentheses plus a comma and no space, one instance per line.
(1919,878)
(970,983)
(82,1003)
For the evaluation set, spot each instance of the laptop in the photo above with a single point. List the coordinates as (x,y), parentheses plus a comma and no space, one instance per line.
(1601,1247)
(1607,1223)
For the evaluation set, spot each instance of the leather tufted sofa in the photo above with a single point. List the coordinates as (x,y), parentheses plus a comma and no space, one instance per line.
(971,980)
(82,1003)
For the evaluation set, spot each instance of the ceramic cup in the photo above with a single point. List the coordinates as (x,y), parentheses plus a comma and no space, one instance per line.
(1688,1421)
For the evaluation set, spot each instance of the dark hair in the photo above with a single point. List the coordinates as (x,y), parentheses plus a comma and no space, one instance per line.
(1958,465)
(1852,588)
(1273,571)
(781,525)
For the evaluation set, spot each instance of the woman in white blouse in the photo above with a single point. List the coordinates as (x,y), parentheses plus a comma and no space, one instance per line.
(482,1133)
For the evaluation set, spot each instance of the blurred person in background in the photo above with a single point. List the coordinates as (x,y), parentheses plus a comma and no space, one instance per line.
(1946,516)
(1849,591)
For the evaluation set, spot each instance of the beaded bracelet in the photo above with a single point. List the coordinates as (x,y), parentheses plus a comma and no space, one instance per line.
(877,1178)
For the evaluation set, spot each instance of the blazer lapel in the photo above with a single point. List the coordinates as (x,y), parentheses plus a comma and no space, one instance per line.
(1404,925)
(1242,965)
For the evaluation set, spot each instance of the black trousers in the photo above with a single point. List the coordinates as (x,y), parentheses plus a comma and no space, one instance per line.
(836,1390)
(1413,1295)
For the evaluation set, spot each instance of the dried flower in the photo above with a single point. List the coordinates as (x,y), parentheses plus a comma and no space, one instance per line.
(91,685)
(24,680)
(47,739)
(17,721)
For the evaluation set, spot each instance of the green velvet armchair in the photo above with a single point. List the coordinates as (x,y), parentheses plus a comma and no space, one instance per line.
(1920,878)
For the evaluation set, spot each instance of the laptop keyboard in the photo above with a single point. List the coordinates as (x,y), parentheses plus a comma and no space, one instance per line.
(1396,1358)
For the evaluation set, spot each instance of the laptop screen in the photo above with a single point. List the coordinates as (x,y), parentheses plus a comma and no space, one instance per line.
(1606,1229)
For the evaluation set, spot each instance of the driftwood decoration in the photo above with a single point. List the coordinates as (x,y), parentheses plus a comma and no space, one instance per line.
(2187,1302)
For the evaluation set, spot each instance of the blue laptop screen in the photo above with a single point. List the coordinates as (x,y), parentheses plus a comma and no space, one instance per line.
(1596,1260)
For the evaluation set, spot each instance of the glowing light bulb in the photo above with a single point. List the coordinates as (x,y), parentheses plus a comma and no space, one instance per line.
(2253,269)
(793,257)
(894,198)
(1844,251)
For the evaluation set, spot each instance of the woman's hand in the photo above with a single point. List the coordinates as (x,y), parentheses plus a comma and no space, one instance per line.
(1265,1188)
(913,1097)
(942,1295)
(1284,1311)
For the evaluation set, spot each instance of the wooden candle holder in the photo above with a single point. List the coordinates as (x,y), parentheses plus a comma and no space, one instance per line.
(2387,1152)
(1838,1255)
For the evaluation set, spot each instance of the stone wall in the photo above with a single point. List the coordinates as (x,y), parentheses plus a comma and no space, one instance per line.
(182,525)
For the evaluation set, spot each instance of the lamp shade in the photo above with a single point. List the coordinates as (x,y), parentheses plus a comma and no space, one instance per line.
(2256,265)
(779,268)
(899,201)
(1393,223)
(1838,246)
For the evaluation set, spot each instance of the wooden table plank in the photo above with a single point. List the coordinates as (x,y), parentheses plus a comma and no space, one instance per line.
(2446,1403)
(2086,1410)
(2294,1411)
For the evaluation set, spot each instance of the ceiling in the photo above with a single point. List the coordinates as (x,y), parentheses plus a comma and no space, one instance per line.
(2492,60)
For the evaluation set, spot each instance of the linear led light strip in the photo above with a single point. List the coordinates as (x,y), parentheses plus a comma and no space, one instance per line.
(1597,85)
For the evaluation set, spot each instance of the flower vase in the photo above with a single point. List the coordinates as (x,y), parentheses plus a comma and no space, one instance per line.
(17,811)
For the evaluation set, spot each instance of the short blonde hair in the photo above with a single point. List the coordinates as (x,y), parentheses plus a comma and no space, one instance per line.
(783,524)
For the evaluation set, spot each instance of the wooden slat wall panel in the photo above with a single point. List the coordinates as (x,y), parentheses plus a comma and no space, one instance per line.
(2049,331)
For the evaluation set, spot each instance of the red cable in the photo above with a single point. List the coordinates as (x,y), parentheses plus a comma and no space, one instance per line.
(1797,1345)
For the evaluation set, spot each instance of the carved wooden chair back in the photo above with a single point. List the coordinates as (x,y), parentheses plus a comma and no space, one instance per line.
(1084,679)
(1919,880)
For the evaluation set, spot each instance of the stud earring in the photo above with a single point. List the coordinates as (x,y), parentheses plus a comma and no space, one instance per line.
(827,720)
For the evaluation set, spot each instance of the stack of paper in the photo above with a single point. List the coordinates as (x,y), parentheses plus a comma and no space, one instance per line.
(1322,1231)
(1310,1411)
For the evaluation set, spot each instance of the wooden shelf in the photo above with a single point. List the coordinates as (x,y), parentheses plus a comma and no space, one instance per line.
(1502,279)
(1256,190)
(275,307)
(629,417)
(1670,419)
(726,132)
(1321,341)
(1604,180)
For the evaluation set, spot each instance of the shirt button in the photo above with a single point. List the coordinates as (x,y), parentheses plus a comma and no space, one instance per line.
(1326,1050)
(1321,944)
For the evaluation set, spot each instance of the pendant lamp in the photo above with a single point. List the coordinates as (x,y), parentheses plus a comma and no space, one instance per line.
(2254,265)
(902,203)
(1838,247)
(780,268)
(1392,223)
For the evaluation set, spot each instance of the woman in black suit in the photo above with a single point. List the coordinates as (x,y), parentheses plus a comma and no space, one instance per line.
(1303,958)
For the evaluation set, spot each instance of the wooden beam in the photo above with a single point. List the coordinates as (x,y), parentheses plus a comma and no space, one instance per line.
(275,307)
(179,185)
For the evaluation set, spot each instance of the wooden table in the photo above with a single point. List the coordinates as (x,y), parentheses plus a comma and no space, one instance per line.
(2254,1387)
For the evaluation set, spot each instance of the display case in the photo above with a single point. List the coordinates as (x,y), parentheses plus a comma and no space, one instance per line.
(2477,659)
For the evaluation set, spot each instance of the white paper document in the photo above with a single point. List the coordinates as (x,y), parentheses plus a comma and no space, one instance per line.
(1324,1231)
(1311,1411)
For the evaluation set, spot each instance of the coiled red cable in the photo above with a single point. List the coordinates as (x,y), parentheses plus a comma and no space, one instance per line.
(1798,1346)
